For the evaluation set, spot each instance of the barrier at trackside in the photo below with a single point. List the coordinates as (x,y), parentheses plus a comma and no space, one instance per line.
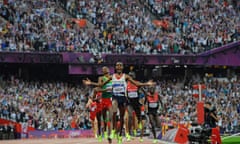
(165,126)
(177,135)
(60,134)
(174,132)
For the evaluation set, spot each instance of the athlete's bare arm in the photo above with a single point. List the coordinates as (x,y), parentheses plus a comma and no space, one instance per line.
(137,83)
(89,82)
(89,102)
(100,82)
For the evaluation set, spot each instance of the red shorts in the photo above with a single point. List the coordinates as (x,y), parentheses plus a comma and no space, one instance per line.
(93,115)
(106,103)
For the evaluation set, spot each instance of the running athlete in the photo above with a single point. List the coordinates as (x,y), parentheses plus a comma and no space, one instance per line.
(105,84)
(92,106)
(119,89)
(97,97)
(134,109)
(153,102)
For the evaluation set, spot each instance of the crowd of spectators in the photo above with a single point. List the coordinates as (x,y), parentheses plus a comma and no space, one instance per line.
(223,93)
(119,26)
(203,23)
(44,105)
(185,30)
(59,105)
(39,25)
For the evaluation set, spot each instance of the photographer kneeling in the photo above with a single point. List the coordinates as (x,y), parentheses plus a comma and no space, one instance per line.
(202,133)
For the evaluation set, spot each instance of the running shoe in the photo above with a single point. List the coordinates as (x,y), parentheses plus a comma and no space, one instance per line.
(155,141)
(135,133)
(113,134)
(105,135)
(100,138)
(119,139)
(140,126)
(128,136)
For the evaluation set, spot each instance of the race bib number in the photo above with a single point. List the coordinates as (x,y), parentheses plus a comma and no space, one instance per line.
(118,89)
(153,105)
(132,94)
(109,88)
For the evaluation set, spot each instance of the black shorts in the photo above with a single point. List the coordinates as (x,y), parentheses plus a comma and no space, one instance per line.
(153,111)
(136,105)
(121,100)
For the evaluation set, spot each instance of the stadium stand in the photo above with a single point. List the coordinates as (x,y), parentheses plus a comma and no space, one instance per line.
(176,27)
(117,27)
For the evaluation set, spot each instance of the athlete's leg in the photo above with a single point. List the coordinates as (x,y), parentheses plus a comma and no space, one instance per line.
(122,110)
(114,116)
(135,122)
(109,116)
(128,121)
(96,126)
(126,118)
(139,116)
(157,120)
(104,116)
(99,121)
(153,124)
(133,119)
(142,118)
(94,123)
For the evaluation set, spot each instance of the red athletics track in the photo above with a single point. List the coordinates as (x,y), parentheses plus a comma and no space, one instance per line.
(75,141)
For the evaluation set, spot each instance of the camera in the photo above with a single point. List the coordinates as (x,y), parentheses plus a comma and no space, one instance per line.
(199,134)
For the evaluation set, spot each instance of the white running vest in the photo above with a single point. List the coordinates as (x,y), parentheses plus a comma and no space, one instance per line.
(119,85)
